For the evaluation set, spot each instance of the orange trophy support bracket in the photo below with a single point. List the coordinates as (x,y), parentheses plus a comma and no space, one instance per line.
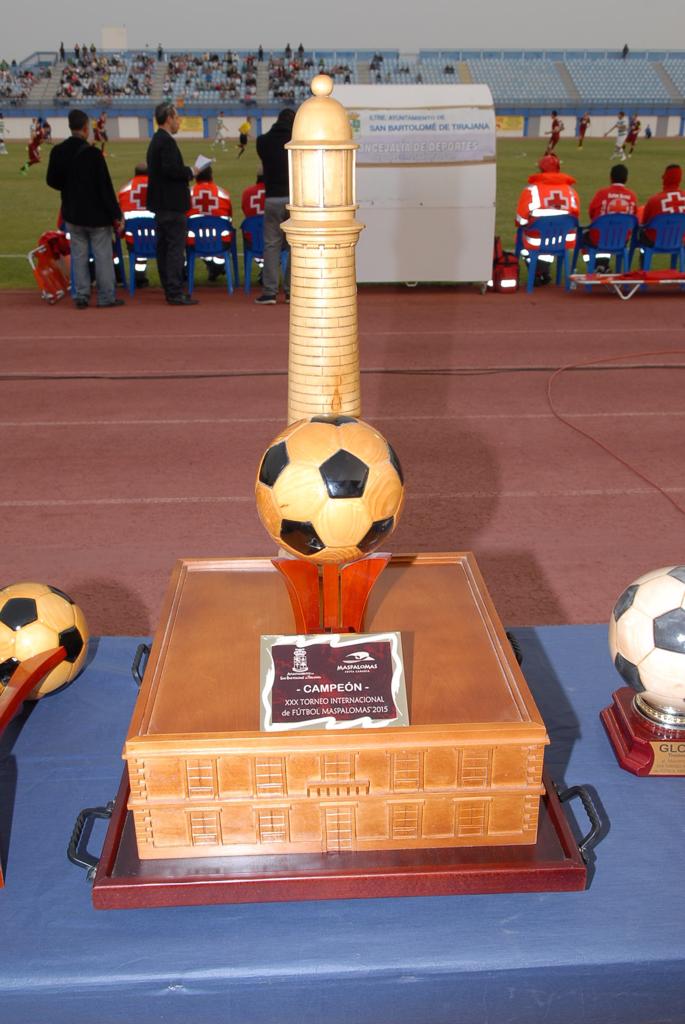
(334,599)
(24,680)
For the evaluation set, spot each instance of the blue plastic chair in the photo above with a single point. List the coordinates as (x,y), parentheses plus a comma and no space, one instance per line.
(207,232)
(254,249)
(143,245)
(551,232)
(615,231)
(669,231)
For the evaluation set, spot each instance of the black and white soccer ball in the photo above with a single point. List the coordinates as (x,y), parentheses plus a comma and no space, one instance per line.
(647,637)
(34,619)
(329,489)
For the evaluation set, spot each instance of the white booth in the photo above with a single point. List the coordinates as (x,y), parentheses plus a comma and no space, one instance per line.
(425,181)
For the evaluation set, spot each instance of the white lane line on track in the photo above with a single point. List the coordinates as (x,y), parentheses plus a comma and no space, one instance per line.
(456,332)
(428,496)
(227,421)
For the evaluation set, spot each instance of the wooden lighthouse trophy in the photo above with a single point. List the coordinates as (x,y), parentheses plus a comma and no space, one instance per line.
(450,797)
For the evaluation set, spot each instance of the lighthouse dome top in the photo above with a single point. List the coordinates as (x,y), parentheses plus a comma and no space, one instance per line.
(321,119)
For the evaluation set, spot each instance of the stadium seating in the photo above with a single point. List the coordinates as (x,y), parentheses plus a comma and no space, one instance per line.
(623,82)
(528,81)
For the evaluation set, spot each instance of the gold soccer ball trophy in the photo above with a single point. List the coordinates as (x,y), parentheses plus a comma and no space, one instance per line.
(35,618)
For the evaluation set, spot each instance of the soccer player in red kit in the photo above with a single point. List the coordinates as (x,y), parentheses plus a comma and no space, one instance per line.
(35,139)
(548,193)
(555,133)
(100,132)
(583,125)
(633,132)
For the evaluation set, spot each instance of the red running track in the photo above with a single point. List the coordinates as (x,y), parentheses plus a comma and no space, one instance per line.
(130,437)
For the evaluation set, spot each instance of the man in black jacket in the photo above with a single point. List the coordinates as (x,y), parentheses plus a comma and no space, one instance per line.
(274,156)
(168,196)
(90,209)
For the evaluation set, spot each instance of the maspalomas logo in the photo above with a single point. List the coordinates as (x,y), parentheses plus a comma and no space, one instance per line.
(358,661)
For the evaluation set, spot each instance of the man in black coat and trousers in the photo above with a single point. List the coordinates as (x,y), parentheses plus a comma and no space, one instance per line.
(90,209)
(168,196)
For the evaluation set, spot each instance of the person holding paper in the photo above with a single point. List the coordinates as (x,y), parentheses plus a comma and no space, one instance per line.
(168,196)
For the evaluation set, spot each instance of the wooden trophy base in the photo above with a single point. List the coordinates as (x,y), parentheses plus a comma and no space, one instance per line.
(123,881)
(642,747)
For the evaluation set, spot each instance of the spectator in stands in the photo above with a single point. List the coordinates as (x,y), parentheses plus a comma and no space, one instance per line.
(555,132)
(625,51)
(671,199)
(260,53)
(583,125)
(547,194)
(271,151)
(621,128)
(160,52)
(168,196)
(90,208)
(61,52)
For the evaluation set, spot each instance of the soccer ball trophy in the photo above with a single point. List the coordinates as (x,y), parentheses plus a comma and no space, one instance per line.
(43,645)
(646,722)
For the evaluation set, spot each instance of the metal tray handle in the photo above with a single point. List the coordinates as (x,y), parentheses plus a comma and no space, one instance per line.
(81,858)
(142,652)
(597,824)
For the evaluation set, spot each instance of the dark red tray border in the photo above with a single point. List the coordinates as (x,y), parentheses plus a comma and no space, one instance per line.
(122,881)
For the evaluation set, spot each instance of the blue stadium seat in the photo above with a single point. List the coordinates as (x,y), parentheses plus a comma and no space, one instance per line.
(614,232)
(669,229)
(207,233)
(552,232)
(141,239)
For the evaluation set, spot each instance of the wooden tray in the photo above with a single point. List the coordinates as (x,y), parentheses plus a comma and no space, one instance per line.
(122,881)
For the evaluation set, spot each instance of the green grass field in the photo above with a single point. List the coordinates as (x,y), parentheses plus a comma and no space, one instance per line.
(28,207)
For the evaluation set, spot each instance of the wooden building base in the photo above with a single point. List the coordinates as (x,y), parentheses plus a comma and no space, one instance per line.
(123,881)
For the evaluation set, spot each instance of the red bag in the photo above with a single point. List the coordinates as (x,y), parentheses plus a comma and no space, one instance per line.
(505,269)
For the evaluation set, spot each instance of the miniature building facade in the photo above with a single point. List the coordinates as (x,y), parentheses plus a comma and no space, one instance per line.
(354,797)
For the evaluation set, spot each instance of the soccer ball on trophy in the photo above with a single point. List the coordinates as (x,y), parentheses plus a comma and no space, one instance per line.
(329,489)
(647,640)
(35,618)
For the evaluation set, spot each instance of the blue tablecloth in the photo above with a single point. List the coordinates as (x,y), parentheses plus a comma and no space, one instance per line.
(614,953)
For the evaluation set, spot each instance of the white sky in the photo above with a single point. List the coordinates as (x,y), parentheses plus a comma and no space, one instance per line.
(407,25)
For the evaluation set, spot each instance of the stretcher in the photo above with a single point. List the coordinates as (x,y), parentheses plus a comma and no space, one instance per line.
(625,285)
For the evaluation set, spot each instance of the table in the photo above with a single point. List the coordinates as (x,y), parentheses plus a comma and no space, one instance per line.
(614,953)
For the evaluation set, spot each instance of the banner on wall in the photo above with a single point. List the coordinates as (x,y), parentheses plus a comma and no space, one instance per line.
(191,124)
(437,135)
(511,123)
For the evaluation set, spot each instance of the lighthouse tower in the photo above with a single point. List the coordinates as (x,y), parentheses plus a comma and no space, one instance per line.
(323,372)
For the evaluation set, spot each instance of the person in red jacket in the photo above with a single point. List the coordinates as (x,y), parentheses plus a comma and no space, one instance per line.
(670,200)
(207,199)
(133,202)
(615,198)
(252,199)
(548,193)
(34,144)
